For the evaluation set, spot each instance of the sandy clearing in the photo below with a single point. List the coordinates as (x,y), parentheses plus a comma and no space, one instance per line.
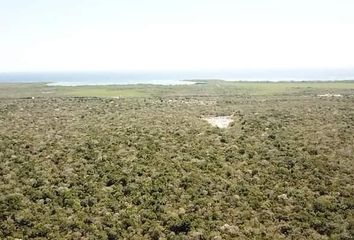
(329,95)
(220,121)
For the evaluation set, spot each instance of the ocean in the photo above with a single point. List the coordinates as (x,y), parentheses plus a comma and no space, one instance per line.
(173,78)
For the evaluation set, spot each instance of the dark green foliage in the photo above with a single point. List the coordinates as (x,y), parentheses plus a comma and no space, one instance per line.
(151,168)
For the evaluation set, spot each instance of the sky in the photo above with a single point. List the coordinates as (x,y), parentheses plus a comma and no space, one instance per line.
(170,35)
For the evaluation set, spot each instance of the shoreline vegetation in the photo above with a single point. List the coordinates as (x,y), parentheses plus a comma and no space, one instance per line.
(200,87)
(141,161)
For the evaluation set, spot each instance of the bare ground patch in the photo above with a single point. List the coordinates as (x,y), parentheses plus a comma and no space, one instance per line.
(220,121)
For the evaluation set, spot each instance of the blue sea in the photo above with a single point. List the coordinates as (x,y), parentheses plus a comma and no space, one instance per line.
(173,78)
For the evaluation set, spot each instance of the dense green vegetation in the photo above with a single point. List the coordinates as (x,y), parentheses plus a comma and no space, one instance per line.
(147,166)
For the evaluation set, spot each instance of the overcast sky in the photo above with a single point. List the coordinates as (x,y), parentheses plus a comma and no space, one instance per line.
(117,35)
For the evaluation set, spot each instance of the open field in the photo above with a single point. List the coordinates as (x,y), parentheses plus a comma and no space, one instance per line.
(139,162)
(204,88)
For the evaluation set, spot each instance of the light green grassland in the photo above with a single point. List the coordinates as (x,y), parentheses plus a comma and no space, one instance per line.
(106,92)
(203,88)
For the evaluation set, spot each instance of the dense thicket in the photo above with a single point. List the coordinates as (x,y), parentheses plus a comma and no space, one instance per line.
(90,168)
